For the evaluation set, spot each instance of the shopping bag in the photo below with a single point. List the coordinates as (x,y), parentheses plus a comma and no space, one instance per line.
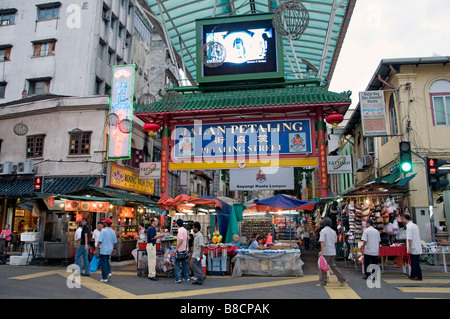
(323,265)
(93,266)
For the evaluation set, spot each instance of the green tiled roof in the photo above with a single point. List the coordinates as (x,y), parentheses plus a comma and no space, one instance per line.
(249,98)
(53,185)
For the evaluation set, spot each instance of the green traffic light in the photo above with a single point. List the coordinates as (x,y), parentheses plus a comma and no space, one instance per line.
(406,167)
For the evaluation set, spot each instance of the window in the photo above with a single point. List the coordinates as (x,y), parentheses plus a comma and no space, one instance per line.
(5,52)
(2,89)
(137,156)
(110,56)
(44,48)
(113,21)
(101,48)
(35,146)
(48,11)
(38,86)
(98,86)
(7,16)
(121,27)
(80,142)
(393,116)
(440,99)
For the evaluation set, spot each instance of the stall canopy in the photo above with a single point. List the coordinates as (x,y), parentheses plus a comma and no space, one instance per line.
(168,202)
(282,202)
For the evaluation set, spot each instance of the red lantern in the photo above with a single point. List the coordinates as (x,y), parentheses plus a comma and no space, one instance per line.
(334,119)
(152,128)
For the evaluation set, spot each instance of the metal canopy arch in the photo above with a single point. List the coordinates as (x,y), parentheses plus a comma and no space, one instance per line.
(319,45)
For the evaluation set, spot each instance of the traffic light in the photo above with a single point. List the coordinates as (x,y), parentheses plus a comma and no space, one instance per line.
(405,157)
(434,175)
(38,182)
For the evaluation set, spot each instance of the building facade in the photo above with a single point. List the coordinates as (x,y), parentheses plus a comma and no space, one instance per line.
(417,99)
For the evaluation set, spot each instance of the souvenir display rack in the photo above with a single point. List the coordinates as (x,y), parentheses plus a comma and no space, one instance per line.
(261,225)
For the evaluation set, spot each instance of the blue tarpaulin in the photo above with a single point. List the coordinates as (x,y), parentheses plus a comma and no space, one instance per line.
(283,202)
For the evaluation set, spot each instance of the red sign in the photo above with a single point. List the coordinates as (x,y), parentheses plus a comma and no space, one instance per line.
(125,212)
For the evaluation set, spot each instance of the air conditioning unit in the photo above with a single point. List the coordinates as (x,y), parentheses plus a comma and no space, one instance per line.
(360,165)
(363,162)
(25,167)
(367,161)
(6,168)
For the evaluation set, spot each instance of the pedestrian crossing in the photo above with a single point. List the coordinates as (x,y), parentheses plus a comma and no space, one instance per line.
(433,286)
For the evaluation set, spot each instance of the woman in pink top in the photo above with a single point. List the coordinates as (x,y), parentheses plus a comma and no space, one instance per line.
(7,234)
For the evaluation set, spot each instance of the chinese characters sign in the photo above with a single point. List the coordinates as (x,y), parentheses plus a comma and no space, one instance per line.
(121,112)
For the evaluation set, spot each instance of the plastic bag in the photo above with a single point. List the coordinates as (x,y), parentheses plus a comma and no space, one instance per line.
(322,264)
(93,266)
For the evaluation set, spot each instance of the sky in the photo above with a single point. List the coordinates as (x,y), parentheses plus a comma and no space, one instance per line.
(385,29)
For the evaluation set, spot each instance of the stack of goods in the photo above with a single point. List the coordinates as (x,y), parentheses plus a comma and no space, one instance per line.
(351,221)
(358,221)
(377,215)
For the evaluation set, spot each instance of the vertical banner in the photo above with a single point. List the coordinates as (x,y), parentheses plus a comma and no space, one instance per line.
(120,117)
(373,113)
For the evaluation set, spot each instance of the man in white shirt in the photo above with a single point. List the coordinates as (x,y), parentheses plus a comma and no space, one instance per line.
(414,247)
(327,240)
(371,246)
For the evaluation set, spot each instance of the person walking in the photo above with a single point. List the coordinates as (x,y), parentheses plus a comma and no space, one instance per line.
(96,234)
(106,247)
(414,247)
(371,246)
(83,249)
(327,240)
(197,255)
(152,237)
(181,249)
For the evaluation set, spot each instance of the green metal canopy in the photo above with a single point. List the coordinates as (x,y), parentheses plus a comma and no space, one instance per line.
(314,54)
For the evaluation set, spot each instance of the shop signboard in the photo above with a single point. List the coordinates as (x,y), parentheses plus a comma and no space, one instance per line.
(341,164)
(229,141)
(120,115)
(150,170)
(265,178)
(73,206)
(373,113)
(128,179)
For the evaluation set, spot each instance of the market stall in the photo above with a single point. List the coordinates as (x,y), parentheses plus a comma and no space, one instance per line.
(283,258)
(382,202)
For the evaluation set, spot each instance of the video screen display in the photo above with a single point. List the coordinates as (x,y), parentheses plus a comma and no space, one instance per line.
(250,47)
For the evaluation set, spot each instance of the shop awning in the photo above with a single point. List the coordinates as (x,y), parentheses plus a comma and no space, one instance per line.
(53,185)
(404,181)
(116,201)
(122,195)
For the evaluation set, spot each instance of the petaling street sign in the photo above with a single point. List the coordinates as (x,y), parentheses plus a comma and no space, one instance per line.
(219,144)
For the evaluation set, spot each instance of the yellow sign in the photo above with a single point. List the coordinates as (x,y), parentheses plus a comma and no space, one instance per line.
(125,178)
(282,162)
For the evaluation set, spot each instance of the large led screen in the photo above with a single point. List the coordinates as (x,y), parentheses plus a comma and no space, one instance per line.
(251,49)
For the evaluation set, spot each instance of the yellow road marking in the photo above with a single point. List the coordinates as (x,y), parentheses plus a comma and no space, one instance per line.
(182,294)
(101,288)
(437,290)
(36,275)
(335,291)
(424,281)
